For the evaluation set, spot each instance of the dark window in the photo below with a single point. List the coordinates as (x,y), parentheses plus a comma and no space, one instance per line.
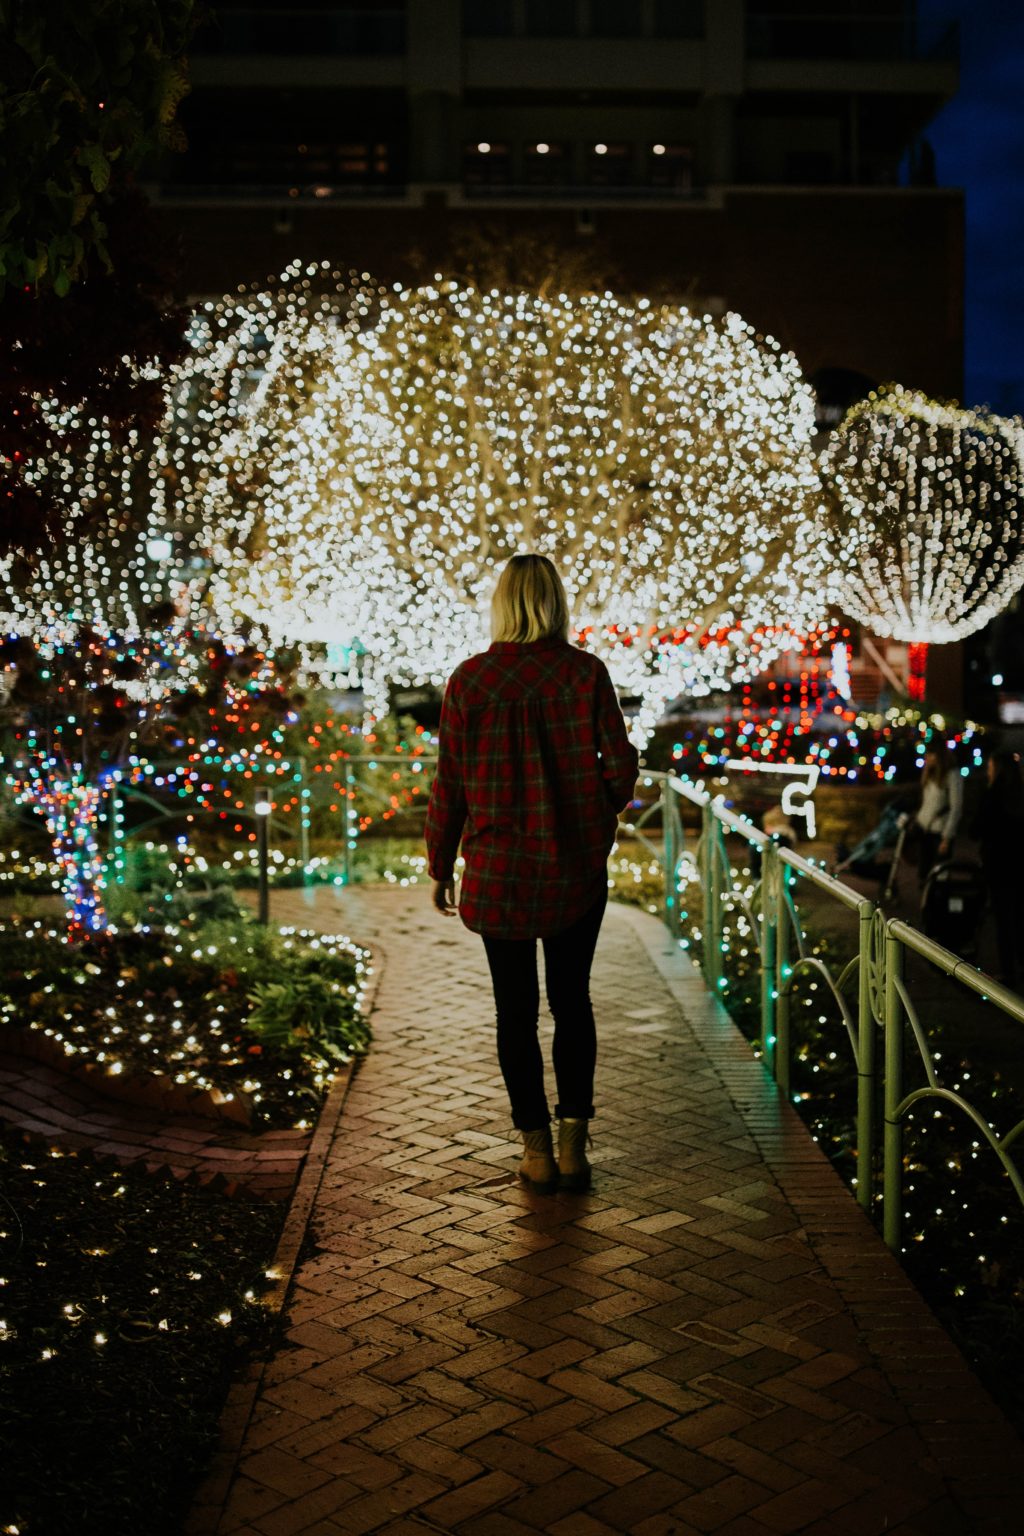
(810,167)
(485,164)
(295,139)
(609,165)
(679,18)
(551,18)
(615,18)
(545,164)
(670,165)
(853,29)
(303,29)
(488,18)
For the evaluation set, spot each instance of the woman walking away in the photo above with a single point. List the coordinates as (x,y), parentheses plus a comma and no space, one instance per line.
(942,799)
(999,828)
(534,765)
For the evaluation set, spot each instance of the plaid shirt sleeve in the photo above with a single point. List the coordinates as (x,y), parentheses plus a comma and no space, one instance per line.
(619,758)
(446,810)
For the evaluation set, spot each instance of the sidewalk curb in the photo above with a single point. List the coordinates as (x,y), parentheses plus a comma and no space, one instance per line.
(207,1508)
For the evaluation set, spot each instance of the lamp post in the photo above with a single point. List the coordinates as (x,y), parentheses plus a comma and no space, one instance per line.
(262,809)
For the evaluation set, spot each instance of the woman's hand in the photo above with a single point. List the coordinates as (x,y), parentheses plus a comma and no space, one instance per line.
(443,896)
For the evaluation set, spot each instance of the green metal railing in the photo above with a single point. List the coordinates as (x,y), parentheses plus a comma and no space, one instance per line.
(900,1015)
(354,787)
(870,990)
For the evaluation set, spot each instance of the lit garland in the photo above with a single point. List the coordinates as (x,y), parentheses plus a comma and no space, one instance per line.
(298,776)
(847,745)
(71,810)
(926,518)
(360,472)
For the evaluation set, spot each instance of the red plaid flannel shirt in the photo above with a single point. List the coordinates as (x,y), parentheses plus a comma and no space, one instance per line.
(533,768)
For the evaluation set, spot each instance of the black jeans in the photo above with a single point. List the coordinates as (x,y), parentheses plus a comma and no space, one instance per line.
(567,960)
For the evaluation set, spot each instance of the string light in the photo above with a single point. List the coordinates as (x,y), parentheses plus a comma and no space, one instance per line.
(360,465)
(926,518)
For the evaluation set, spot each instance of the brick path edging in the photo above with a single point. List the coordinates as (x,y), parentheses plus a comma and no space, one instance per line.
(150,1090)
(211,1497)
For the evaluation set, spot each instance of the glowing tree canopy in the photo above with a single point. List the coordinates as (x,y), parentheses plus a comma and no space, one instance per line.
(926,516)
(376,465)
(108,578)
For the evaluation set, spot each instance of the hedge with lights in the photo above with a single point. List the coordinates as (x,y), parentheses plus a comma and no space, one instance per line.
(245,1013)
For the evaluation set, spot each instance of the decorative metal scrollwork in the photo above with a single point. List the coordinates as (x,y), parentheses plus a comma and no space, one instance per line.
(876,967)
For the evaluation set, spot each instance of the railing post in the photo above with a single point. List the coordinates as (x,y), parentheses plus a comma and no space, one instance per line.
(769,934)
(892,1185)
(263,809)
(669,856)
(865,1058)
(303,820)
(349,829)
(781,1061)
(712,900)
(116,844)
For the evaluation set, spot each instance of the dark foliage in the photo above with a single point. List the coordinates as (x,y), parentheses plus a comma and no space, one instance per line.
(110,1438)
(96,348)
(89,91)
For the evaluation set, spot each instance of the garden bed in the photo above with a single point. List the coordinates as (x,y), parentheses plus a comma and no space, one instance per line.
(128,1305)
(129,1299)
(210,1014)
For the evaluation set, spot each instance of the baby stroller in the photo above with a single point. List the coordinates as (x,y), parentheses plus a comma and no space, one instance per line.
(891,832)
(953,904)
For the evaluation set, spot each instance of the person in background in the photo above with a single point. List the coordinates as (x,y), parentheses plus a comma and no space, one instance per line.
(938,816)
(999,828)
(534,766)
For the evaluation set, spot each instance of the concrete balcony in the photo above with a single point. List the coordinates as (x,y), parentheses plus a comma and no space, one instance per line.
(591,64)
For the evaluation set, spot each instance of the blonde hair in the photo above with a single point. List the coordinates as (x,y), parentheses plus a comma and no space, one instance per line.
(529,602)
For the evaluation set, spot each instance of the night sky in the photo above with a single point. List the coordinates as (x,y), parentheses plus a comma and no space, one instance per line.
(979,145)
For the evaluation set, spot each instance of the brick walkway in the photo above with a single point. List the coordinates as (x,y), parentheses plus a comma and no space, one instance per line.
(713,1339)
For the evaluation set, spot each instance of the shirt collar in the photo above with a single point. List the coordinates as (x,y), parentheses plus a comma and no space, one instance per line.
(525,645)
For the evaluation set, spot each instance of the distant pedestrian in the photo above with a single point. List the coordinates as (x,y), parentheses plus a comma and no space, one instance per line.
(534,766)
(938,816)
(999,828)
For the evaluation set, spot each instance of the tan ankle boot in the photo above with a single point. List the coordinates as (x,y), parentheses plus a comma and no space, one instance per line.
(573,1168)
(538,1167)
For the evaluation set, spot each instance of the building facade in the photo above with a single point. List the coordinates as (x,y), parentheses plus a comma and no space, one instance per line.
(741,154)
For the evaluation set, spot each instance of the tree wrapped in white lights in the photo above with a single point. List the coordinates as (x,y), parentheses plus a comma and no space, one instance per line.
(387,463)
(926,516)
(93,651)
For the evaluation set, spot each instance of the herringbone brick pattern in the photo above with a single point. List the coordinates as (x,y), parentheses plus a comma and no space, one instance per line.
(711,1340)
